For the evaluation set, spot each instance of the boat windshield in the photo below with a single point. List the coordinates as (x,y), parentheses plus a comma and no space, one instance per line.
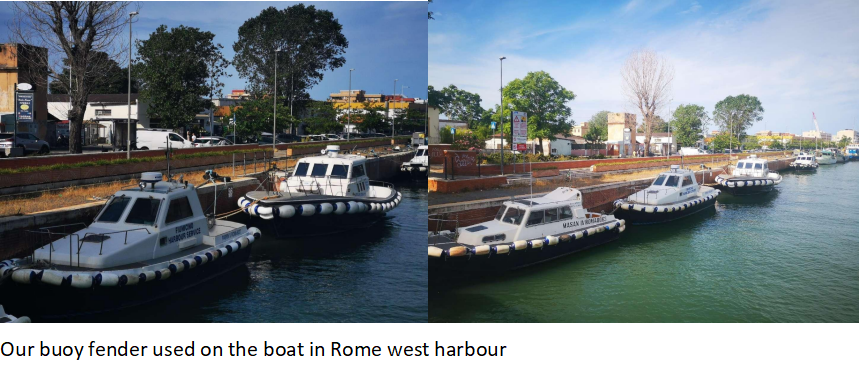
(758,166)
(659,181)
(357,171)
(514,216)
(301,169)
(339,171)
(740,165)
(114,209)
(419,153)
(143,212)
(749,165)
(672,181)
(319,170)
(501,213)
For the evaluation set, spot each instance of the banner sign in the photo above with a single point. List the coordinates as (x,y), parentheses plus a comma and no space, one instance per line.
(24,107)
(520,130)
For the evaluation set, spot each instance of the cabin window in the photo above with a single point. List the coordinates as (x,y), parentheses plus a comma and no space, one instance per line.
(749,165)
(659,181)
(358,171)
(740,165)
(179,209)
(566,213)
(301,169)
(114,209)
(535,218)
(143,212)
(319,170)
(550,215)
(687,181)
(501,213)
(493,238)
(339,171)
(514,216)
(758,166)
(419,153)
(672,181)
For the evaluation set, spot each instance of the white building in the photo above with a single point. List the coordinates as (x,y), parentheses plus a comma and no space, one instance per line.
(817,134)
(849,133)
(109,112)
(661,142)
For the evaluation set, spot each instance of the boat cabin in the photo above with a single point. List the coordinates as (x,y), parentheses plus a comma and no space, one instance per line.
(421,155)
(138,224)
(555,213)
(668,188)
(330,174)
(751,166)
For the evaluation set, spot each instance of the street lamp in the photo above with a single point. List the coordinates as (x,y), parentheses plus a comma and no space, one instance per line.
(501,119)
(275,103)
(128,131)
(349,105)
(393,110)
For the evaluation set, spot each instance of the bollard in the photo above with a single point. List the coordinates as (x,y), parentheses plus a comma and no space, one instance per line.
(445,167)
(478,162)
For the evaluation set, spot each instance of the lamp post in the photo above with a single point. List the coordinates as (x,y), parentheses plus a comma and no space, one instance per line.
(501,118)
(393,110)
(275,103)
(128,130)
(349,105)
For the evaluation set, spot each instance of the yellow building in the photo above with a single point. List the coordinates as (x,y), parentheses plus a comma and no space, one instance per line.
(14,69)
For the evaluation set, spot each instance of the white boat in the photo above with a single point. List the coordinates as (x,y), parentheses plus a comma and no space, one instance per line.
(149,241)
(525,232)
(419,165)
(672,195)
(323,195)
(851,152)
(826,157)
(750,176)
(804,162)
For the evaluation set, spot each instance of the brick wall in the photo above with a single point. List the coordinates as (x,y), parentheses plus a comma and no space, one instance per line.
(451,186)
(437,153)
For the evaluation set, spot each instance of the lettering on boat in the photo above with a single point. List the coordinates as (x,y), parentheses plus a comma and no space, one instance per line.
(583,222)
(183,232)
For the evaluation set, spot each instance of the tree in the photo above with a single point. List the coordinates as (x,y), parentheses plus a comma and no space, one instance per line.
(374,118)
(461,105)
(775,144)
(436,98)
(735,114)
(687,124)
(545,102)
(751,142)
(844,141)
(310,41)
(76,31)
(720,142)
(322,119)
(174,67)
(115,79)
(596,134)
(255,116)
(647,83)
(429,13)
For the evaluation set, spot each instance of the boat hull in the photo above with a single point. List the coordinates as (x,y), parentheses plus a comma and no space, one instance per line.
(445,269)
(638,217)
(44,301)
(320,224)
(748,190)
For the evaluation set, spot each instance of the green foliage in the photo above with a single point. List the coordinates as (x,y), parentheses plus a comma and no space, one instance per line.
(844,142)
(374,118)
(173,69)
(545,102)
(687,123)
(255,116)
(751,142)
(436,98)
(112,80)
(460,105)
(445,136)
(775,144)
(322,119)
(465,140)
(311,42)
(598,128)
(736,114)
(721,141)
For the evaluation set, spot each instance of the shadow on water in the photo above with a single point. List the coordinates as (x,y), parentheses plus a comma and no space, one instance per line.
(763,200)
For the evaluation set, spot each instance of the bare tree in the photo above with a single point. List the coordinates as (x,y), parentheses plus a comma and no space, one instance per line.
(80,35)
(647,85)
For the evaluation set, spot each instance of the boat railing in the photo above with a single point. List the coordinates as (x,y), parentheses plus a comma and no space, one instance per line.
(51,232)
(440,220)
(105,234)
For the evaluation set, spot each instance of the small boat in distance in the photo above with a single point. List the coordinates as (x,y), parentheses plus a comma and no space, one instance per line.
(525,232)
(749,177)
(323,195)
(419,165)
(851,152)
(804,162)
(672,195)
(826,157)
(148,242)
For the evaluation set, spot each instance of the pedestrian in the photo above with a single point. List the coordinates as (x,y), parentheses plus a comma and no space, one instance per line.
(193,137)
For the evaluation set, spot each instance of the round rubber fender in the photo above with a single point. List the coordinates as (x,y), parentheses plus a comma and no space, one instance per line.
(538,243)
(286,211)
(564,238)
(189,262)
(163,273)
(250,239)
(551,240)
(24,276)
(267,216)
(261,210)
(599,229)
(482,250)
(223,251)
(520,245)
(591,231)
(128,279)
(458,251)
(352,207)
(148,275)
(339,208)
(255,232)
(363,206)
(215,254)
(308,209)
(608,227)
(52,277)
(201,259)
(622,222)
(621,229)
(434,252)
(578,234)
(371,207)
(241,202)
(325,208)
(106,279)
(245,242)
(176,267)
(502,249)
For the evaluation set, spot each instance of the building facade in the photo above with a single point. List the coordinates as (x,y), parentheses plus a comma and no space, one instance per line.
(15,68)
(848,133)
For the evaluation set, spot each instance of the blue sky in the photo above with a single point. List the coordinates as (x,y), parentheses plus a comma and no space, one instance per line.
(795,56)
(387,40)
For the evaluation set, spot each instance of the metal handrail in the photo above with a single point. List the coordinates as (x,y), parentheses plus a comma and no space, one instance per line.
(101,244)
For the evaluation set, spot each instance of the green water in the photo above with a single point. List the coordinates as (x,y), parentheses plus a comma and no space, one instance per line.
(789,256)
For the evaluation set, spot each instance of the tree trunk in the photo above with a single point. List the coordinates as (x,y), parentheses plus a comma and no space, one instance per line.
(76,121)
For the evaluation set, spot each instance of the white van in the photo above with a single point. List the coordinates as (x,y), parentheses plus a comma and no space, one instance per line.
(158,138)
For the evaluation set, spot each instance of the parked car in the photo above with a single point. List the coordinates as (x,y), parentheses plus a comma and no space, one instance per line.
(29,142)
(315,138)
(332,137)
(210,141)
(157,139)
(267,140)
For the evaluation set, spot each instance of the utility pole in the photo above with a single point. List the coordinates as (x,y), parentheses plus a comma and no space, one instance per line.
(401,99)
(393,110)
(349,105)
(501,117)
(128,131)
(275,103)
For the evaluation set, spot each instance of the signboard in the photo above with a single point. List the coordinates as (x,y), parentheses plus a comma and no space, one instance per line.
(520,130)
(24,107)
(452,131)
(493,125)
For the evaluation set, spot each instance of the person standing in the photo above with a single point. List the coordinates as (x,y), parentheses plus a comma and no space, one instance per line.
(193,137)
